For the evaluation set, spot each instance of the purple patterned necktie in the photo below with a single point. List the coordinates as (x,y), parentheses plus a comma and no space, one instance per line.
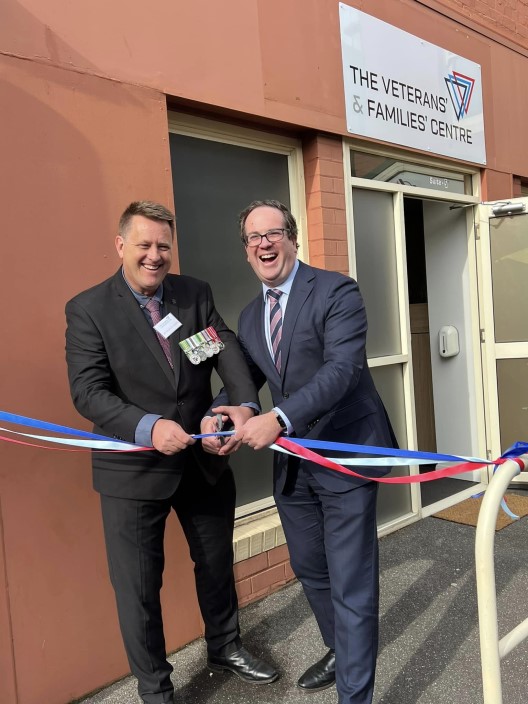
(153,308)
(275,317)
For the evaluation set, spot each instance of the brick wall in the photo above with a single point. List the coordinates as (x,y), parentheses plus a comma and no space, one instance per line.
(509,18)
(325,203)
(263,574)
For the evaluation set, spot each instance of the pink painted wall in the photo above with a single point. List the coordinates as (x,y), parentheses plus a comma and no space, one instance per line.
(275,59)
(75,150)
(83,90)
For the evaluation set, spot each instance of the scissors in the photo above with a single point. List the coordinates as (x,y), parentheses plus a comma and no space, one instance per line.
(219,426)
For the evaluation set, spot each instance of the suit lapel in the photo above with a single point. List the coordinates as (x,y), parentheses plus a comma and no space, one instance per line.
(260,309)
(129,306)
(303,284)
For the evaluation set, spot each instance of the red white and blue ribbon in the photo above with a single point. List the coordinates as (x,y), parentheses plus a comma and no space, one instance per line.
(79,440)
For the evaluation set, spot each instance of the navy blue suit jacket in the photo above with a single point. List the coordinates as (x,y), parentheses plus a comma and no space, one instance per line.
(325,387)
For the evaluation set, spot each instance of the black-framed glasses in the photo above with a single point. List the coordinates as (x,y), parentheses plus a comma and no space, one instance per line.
(276,235)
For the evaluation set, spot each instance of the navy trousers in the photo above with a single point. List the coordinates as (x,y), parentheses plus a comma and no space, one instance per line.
(333,547)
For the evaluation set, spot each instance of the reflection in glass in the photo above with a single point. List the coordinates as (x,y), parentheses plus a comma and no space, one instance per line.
(394,500)
(380,168)
(212,183)
(509,267)
(376,269)
(512,384)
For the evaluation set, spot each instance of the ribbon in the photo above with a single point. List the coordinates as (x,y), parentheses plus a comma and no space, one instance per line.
(302,448)
(299,449)
(84,440)
(387,457)
(34,423)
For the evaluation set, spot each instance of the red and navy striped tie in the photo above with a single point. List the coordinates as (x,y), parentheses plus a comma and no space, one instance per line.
(153,308)
(275,314)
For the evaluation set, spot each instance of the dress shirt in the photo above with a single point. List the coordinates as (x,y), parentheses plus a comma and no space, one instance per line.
(285,289)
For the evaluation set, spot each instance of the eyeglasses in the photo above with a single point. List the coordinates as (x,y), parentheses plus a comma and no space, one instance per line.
(255,239)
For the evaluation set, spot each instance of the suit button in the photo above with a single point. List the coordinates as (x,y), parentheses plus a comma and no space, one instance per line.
(286,395)
(180,403)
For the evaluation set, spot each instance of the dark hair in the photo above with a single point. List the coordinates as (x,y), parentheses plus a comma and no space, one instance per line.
(148,209)
(289,221)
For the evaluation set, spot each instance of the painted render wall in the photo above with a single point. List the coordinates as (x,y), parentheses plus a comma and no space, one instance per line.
(75,149)
(273,59)
(83,91)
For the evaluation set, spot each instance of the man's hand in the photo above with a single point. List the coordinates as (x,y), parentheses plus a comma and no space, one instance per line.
(213,444)
(260,431)
(238,415)
(169,438)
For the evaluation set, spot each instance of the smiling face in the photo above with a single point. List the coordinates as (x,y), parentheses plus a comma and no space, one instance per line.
(146,251)
(272,262)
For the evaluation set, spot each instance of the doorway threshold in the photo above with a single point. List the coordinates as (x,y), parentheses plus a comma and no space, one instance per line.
(448,493)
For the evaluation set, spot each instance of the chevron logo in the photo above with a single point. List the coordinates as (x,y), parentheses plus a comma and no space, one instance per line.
(460,89)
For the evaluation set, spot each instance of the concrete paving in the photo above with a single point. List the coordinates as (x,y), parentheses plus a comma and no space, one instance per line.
(429,638)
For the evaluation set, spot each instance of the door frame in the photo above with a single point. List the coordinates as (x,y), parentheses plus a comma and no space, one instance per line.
(491,350)
(436,167)
(219,132)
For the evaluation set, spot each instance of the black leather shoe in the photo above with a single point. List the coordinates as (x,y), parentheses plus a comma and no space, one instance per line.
(319,676)
(244,665)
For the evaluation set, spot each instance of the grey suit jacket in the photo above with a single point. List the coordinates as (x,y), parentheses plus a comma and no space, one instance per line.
(325,387)
(118,373)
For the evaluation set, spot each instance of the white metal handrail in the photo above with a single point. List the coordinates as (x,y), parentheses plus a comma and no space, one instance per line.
(492,650)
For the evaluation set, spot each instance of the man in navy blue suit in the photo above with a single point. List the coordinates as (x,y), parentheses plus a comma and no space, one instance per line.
(305,335)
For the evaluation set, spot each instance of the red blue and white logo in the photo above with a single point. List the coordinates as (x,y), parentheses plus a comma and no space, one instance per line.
(460,89)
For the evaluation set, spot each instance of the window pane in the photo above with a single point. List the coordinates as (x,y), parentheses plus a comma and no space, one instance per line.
(212,183)
(393,500)
(512,383)
(376,269)
(381,168)
(509,257)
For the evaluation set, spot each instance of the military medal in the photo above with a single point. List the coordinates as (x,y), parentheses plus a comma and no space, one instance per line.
(217,342)
(190,352)
(201,342)
(211,347)
(202,345)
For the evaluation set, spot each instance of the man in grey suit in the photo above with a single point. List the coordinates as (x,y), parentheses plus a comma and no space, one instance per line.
(137,385)
(305,335)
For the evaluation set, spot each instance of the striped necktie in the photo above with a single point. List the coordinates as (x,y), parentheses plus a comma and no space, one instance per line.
(275,318)
(153,308)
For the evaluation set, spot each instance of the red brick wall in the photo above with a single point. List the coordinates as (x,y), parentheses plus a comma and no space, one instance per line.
(509,18)
(325,203)
(263,574)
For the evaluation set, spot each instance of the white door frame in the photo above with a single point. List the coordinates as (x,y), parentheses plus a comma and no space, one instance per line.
(491,350)
(469,203)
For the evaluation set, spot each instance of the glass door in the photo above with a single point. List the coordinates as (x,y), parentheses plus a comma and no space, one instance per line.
(504,322)
(412,251)
(379,267)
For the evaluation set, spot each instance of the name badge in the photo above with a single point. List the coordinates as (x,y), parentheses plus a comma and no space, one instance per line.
(167,326)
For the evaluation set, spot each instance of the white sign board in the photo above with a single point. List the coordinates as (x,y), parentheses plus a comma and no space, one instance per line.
(404,90)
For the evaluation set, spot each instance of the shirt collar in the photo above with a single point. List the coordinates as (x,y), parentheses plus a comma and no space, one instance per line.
(285,287)
(140,298)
